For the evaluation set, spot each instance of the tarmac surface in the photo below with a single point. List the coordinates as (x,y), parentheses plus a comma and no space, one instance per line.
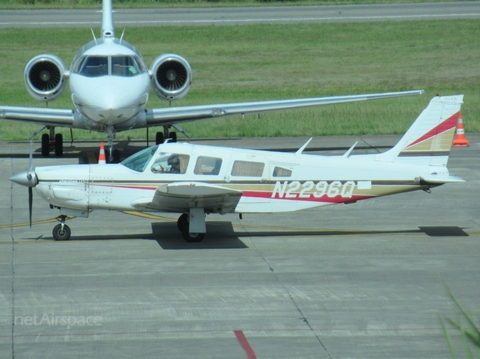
(220,16)
(367,280)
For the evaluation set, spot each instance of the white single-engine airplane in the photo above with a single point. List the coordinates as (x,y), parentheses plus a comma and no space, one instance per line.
(197,180)
(110,84)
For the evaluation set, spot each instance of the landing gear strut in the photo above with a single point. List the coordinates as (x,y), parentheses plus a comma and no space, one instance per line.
(162,136)
(192,225)
(61,232)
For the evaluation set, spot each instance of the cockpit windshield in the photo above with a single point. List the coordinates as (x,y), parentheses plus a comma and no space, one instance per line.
(140,160)
(119,65)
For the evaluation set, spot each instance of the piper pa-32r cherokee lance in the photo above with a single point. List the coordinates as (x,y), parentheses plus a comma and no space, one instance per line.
(110,84)
(197,180)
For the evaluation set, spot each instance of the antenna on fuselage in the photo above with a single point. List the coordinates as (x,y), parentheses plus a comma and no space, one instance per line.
(94,37)
(121,37)
(107,19)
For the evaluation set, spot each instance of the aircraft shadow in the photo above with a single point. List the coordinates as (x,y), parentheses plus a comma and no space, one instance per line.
(220,235)
(439,231)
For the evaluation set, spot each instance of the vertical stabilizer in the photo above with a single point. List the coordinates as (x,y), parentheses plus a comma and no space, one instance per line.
(107,19)
(429,139)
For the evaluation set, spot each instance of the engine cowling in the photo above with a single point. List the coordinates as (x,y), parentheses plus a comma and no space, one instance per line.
(45,77)
(171,76)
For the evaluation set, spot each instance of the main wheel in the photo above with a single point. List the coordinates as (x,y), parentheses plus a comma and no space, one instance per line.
(61,235)
(173,136)
(159,138)
(59,145)
(182,222)
(45,145)
(192,237)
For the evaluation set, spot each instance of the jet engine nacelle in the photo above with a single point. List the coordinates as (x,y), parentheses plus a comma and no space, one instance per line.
(171,75)
(45,77)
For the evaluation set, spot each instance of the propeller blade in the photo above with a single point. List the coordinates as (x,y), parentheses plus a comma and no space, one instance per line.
(30,204)
(30,164)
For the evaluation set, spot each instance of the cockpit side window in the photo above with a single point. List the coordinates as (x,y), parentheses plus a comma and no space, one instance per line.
(93,66)
(138,161)
(126,66)
(170,163)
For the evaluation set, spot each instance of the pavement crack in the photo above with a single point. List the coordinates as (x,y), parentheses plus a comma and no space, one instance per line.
(12,269)
(295,304)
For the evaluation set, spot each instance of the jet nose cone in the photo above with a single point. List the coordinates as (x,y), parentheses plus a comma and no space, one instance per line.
(25,178)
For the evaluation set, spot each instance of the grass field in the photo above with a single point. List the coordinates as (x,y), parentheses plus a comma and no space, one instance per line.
(262,62)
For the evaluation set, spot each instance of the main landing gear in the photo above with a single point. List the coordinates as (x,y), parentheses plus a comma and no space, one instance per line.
(52,143)
(184,223)
(192,226)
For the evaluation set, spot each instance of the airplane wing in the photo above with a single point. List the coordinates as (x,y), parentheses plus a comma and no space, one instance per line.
(179,197)
(175,115)
(56,117)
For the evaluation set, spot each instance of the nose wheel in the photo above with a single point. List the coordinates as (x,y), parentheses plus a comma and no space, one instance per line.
(61,232)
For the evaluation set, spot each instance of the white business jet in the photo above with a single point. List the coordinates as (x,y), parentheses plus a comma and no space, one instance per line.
(110,84)
(197,180)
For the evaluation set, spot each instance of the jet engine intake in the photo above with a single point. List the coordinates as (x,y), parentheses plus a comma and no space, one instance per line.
(45,77)
(171,76)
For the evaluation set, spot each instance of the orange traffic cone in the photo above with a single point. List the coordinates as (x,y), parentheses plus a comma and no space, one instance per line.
(101,157)
(460,140)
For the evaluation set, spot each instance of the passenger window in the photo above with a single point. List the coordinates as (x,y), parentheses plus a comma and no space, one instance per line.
(170,163)
(207,165)
(281,172)
(248,168)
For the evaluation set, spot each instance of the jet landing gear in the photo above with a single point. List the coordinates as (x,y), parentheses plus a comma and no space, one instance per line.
(192,225)
(50,142)
(61,232)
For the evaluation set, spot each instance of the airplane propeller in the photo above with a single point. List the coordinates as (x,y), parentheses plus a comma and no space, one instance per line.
(29,179)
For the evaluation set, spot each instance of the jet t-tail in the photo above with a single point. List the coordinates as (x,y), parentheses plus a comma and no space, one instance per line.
(195,180)
(110,85)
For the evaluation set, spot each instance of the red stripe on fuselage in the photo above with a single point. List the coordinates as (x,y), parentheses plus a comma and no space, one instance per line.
(311,198)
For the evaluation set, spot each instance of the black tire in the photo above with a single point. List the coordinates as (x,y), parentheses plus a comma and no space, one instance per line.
(116,156)
(182,222)
(159,138)
(59,145)
(60,235)
(173,136)
(45,145)
(192,237)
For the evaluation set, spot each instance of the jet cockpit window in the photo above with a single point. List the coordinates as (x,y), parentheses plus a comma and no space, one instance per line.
(207,165)
(140,160)
(93,66)
(126,66)
(121,65)
(170,163)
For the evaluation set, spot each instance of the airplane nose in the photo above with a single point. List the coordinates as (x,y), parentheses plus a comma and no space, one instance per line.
(25,178)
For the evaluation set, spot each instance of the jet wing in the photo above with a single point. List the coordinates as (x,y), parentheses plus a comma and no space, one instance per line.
(56,117)
(179,197)
(174,115)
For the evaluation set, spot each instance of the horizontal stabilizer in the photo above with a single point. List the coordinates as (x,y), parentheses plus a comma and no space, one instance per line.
(439,179)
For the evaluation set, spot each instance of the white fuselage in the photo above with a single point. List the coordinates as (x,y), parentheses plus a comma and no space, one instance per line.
(268,181)
(109,82)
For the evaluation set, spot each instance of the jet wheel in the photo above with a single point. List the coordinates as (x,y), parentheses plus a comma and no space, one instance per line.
(58,145)
(45,145)
(61,235)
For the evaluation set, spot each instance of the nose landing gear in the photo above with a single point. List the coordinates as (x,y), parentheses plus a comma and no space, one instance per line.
(61,232)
